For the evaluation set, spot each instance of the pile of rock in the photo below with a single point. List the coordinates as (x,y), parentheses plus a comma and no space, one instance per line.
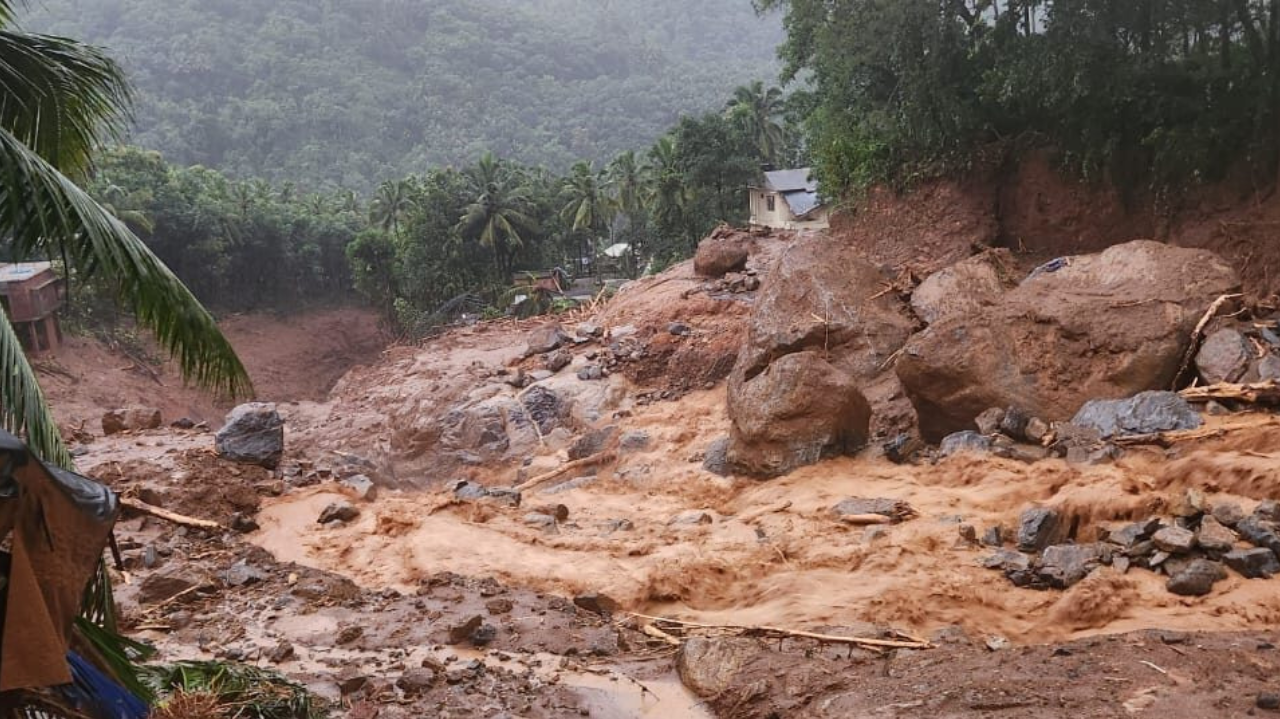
(1242,353)
(1194,549)
(738,282)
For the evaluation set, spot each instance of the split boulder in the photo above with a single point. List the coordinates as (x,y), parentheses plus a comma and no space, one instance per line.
(253,434)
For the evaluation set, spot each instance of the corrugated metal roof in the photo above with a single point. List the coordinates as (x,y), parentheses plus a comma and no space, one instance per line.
(802,202)
(18,272)
(790,180)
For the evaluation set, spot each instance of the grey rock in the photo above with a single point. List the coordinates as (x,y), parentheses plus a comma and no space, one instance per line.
(416,681)
(460,631)
(1036,430)
(338,512)
(1062,566)
(508,496)
(597,603)
(989,421)
(545,339)
(692,518)
(539,375)
(708,665)
(1014,423)
(1214,537)
(1143,413)
(281,653)
(242,574)
(1268,701)
(538,519)
(253,434)
(483,635)
(591,372)
(361,486)
(1268,511)
(1007,560)
(1268,368)
(1228,513)
(240,522)
(1197,578)
(131,419)
(1224,356)
(575,483)
(1256,563)
(464,489)
(993,537)
(545,408)
(634,441)
(679,329)
(622,332)
(859,505)
(1131,534)
(1174,540)
(1037,529)
(1214,408)
(967,441)
(592,443)
(589,329)
(904,449)
(716,459)
(1259,533)
(557,361)
(618,525)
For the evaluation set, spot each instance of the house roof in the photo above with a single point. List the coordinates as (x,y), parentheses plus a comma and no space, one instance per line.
(22,271)
(790,180)
(802,202)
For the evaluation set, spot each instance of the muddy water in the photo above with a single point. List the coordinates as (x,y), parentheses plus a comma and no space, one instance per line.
(796,566)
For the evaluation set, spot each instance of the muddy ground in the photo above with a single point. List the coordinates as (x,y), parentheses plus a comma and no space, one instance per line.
(425,605)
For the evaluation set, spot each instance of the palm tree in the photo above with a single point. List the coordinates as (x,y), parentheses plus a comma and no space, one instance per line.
(754,109)
(128,208)
(61,102)
(667,192)
(627,178)
(497,215)
(586,206)
(393,201)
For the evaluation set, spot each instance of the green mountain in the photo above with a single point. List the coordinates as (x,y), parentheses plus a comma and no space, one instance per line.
(348,92)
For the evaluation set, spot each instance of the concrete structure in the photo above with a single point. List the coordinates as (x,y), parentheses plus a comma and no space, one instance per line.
(788,200)
(31,295)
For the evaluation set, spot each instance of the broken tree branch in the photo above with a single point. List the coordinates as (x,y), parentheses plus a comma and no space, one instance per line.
(773,632)
(566,468)
(865,519)
(753,515)
(1267,392)
(138,505)
(1197,335)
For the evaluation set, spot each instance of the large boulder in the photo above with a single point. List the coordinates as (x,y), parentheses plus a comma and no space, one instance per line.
(253,434)
(1106,326)
(1144,413)
(797,411)
(820,336)
(965,287)
(722,252)
(131,419)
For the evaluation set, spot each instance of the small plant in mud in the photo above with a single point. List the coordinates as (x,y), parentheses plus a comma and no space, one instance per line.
(217,690)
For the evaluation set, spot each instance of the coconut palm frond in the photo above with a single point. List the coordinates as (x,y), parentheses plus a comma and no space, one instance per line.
(48,214)
(249,692)
(23,410)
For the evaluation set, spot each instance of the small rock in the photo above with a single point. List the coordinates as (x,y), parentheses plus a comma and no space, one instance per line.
(349,634)
(242,523)
(557,361)
(558,512)
(361,487)
(716,458)
(591,372)
(162,587)
(1007,560)
(351,681)
(1215,409)
(416,681)
(679,329)
(634,441)
(1259,533)
(483,635)
(968,534)
(623,332)
(1191,504)
(989,421)
(589,329)
(539,375)
(618,525)
(1144,413)
(1213,537)
(242,574)
(499,606)
(691,518)
(508,496)
(282,652)
(1064,565)
(464,489)
(596,602)
(183,423)
(1197,578)
(253,434)
(1268,511)
(1036,430)
(708,665)
(1037,528)
(1175,540)
(461,631)
(967,441)
(338,512)
(1256,563)
(537,519)
(904,449)
(1268,701)
(1014,423)
(993,537)
(997,643)
(131,419)
(545,339)
(1131,534)
(1228,513)
(854,506)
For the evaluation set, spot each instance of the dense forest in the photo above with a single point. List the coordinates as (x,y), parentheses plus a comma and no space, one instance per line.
(1145,94)
(346,93)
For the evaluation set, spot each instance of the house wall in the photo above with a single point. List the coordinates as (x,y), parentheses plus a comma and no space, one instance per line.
(781,217)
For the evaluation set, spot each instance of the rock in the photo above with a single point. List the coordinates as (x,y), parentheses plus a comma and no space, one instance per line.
(538,519)
(416,681)
(242,523)
(183,423)
(1268,511)
(483,635)
(1145,413)
(545,408)
(1014,423)
(338,512)
(1063,565)
(989,421)
(716,457)
(349,634)
(1228,513)
(242,574)
(592,443)
(1259,533)
(506,496)
(904,449)
(966,441)
(558,512)
(1037,429)
(557,361)
(1037,529)
(858,506)
(997,643)
(131,419)
(817,345)
(545,339)
(720,255)
(1256,563)
(460,631)
(1174,540)
(499,606)
(1130,534)
(993,537)
(1224,356)
(1213,408)
(634,441)
(679,329)
(464,489)
(253,434)
(360,487)
(968,534)
(589,329)
(163,587)
(1268,368)
(1007,560)
(691,518)
(1213,537)
(1113,324)
(596,602)
(968,286)
(539,375)
(623,332)
(281,653)
(1190,505)
(618,525)
(1268,701)
(708,665)
(591,372)
(1197,578)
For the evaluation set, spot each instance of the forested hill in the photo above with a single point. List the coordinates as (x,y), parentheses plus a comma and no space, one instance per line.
(349,92)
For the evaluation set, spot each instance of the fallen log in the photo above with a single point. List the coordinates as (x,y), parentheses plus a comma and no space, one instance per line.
(566,468)
(861,520)
(1267,392)
(138,505)
(779,632)
(1197,335)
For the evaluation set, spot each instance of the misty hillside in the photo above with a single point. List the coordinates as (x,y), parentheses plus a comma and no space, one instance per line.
(353,91)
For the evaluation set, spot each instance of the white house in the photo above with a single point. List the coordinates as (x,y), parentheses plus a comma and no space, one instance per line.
(788,200)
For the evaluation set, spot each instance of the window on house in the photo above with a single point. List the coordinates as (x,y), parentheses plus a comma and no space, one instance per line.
(771,203)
